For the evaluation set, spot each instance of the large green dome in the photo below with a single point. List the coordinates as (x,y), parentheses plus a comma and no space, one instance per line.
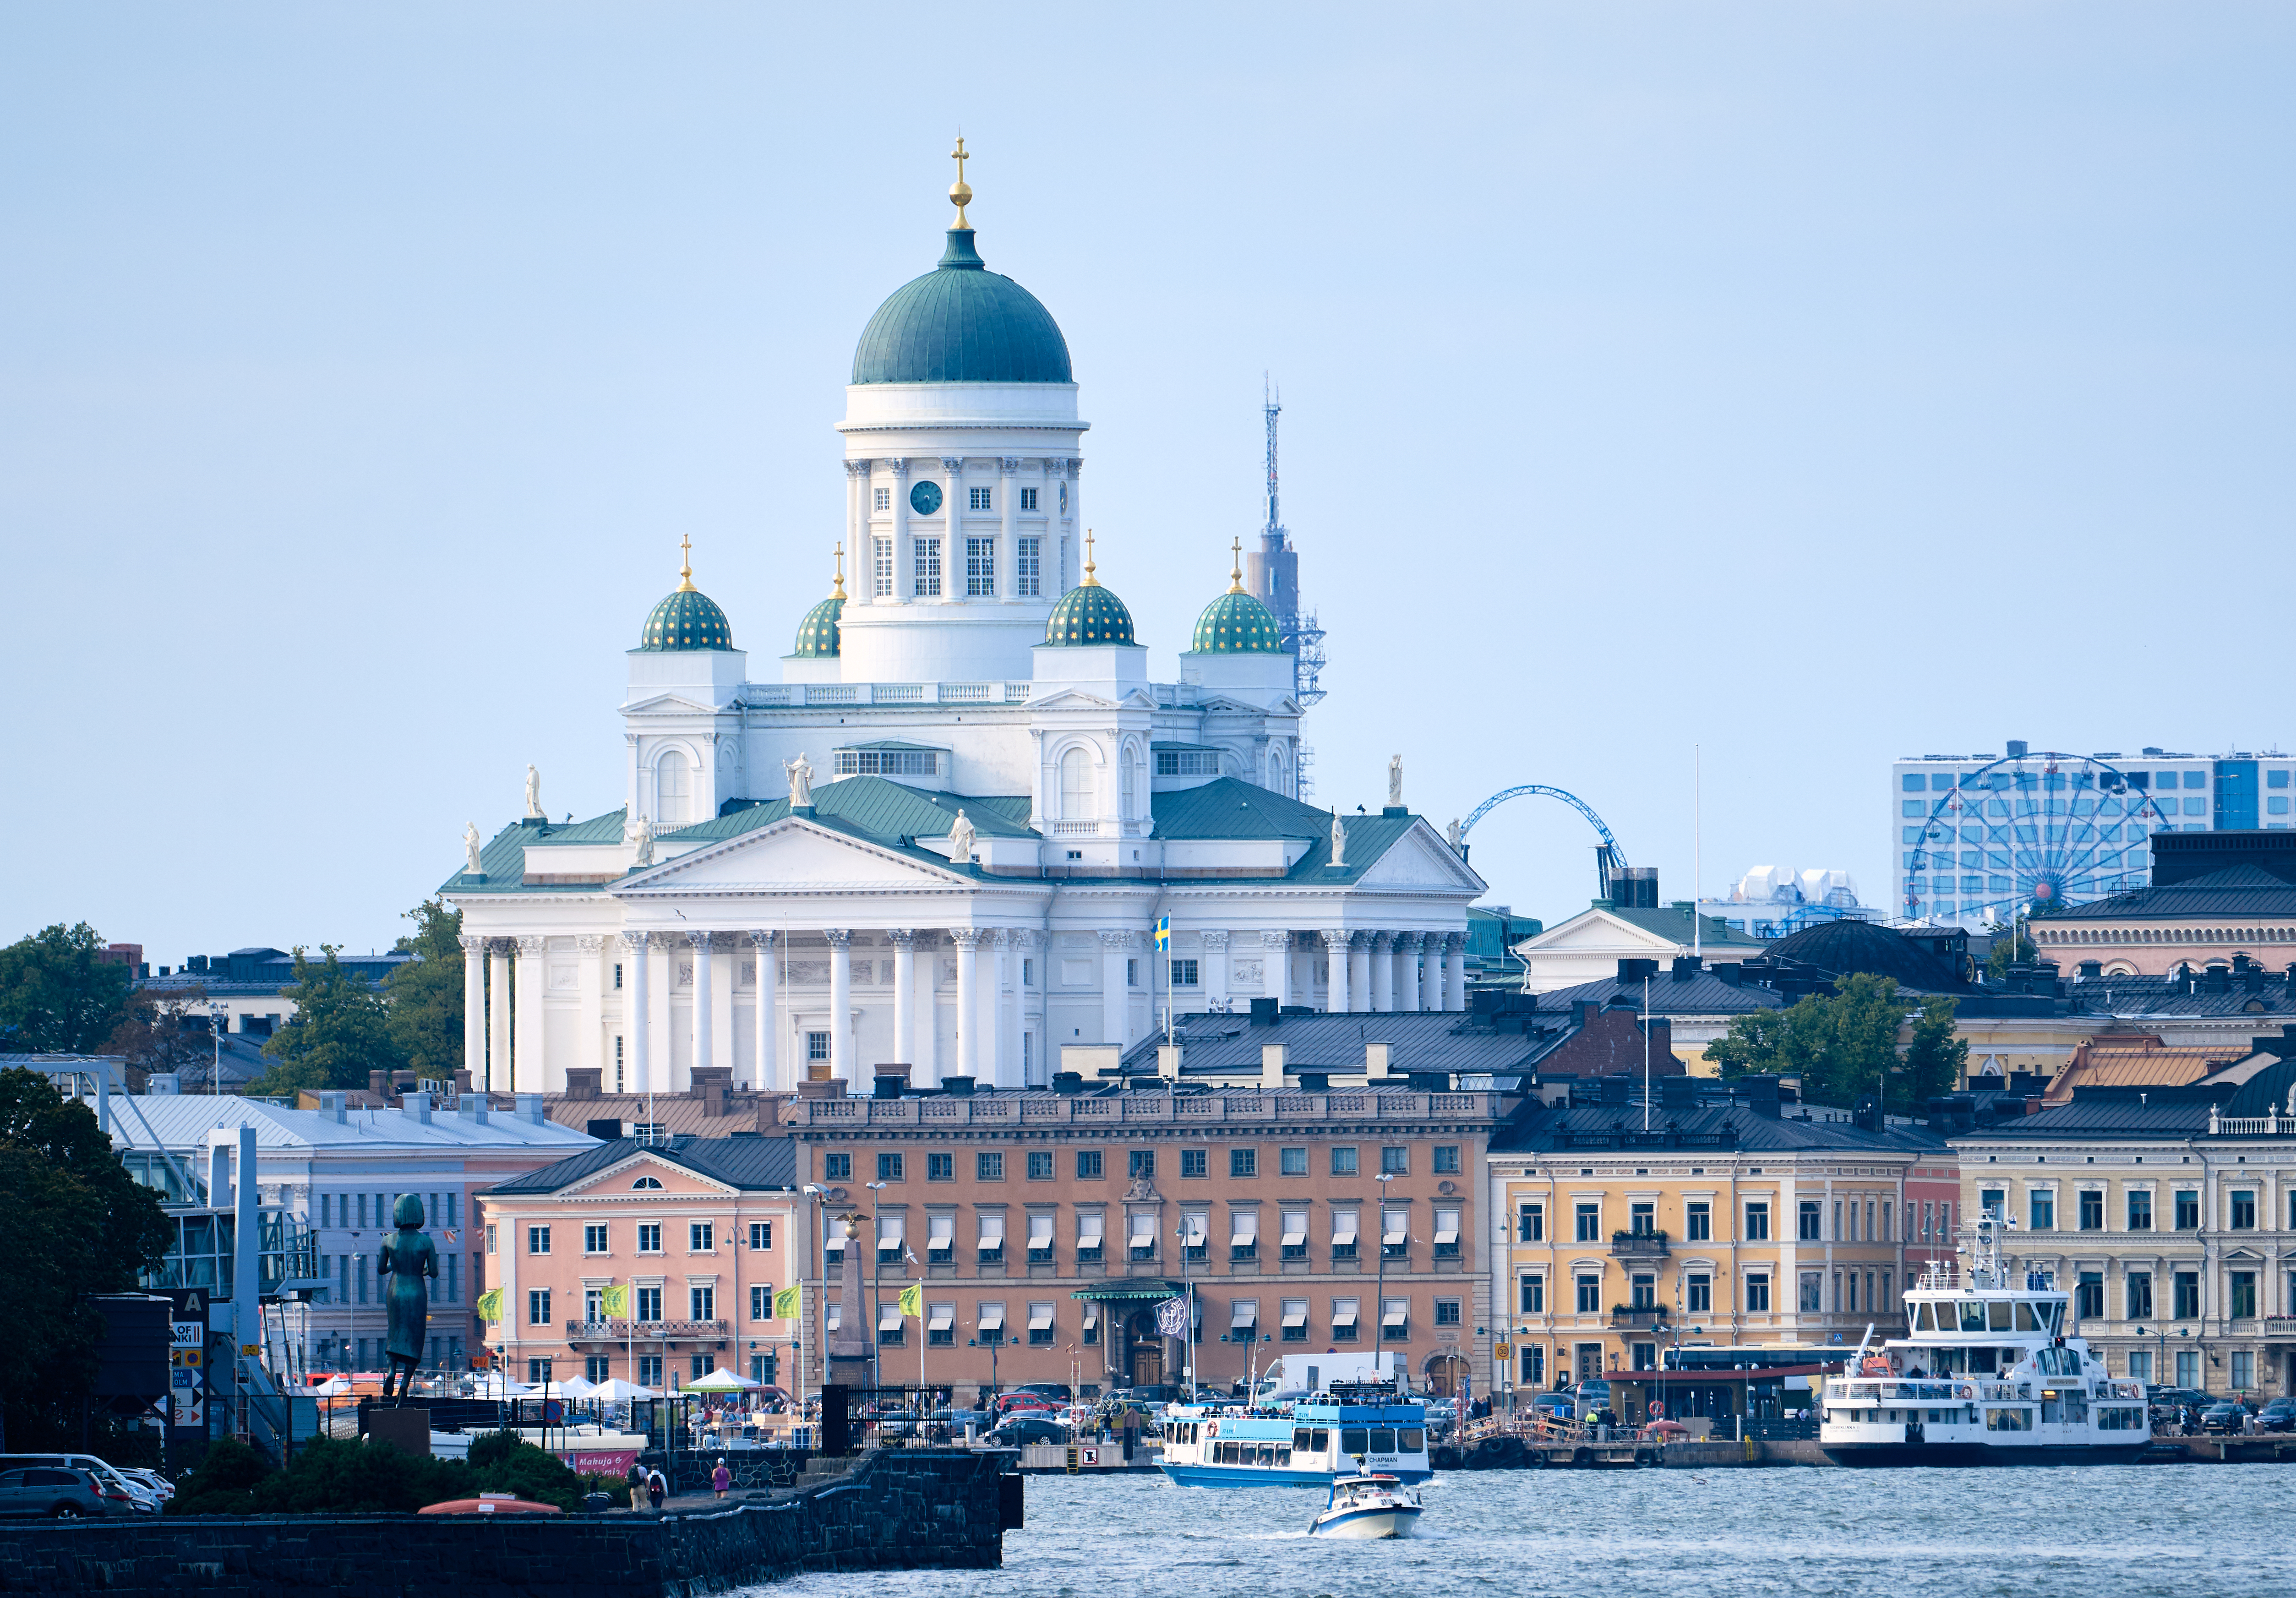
(817,636)
(962,323)
(1089,615)
(1237,623)
(688,619)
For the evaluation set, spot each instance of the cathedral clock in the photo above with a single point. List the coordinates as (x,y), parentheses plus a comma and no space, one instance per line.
(924,499)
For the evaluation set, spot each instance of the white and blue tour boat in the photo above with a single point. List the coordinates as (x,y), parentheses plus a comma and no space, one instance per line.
(1358,1430)
(1988,1377)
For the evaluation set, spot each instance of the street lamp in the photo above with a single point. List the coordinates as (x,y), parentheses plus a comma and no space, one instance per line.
(1379,1288)
(876,1333)
(821,1245)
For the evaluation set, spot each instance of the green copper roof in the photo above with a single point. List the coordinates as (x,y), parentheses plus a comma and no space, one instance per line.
(962,323)
(688,619)
(817,636)
(1237,623)
(1091,614)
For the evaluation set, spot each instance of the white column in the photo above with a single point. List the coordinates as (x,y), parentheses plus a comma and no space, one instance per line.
(858,547)
(1276,949)
(968,1000)
(840,1004)
(635,1028)
(904,565)
(497,1014)
(1455,971)
(704,1016)
(1008,563)
(1359,972)
(1383,973)
(996,957)
(769,1020)
(1335,971)
(1019,943)
(662,978)
(1115,993)
(905,1006)
(952,521)
(1407,972)
(1048,552)
(1072,554)
(1430,973)
(1215,970)
(527,1063)
(474,1008)
(591,1050)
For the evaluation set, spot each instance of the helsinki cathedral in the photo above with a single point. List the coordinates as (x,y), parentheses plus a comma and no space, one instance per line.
(942,834)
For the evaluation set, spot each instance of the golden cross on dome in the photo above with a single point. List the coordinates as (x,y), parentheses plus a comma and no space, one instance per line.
(960,192)
(839,593)
(1090,581)
(1236,571)
(686,565)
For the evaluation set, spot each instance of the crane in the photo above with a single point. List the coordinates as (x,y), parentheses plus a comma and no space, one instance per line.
(1609,857)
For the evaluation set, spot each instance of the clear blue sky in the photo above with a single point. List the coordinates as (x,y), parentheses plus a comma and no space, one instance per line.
(1816,383)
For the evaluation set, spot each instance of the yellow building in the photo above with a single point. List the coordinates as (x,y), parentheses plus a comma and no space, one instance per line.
(1716,1216)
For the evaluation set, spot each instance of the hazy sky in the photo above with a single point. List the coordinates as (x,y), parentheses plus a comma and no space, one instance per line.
(1813,383)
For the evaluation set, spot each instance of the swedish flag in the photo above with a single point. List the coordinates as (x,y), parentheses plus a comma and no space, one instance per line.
(1163,932)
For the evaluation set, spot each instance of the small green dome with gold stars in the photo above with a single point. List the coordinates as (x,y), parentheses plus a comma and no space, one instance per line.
(688,619)
(819,636)
(1236,623)
(1089,614)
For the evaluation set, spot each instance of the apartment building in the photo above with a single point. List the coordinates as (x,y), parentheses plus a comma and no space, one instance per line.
(1707,1215)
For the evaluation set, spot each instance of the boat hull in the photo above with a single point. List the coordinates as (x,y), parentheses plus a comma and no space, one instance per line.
(1229,1476)
(1368,1525)
(1950,1455)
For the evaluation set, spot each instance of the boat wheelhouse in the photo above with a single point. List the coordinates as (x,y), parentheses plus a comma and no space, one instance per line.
(1308,1442)
(1988,1376)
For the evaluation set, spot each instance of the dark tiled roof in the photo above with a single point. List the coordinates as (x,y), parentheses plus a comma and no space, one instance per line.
(1674,923)
(2101,1113)
(752,1163)
(1560,1130)
(1704,994)
(1846,947)
(2164,996)
(2236,891)
(1225,808)
(1425,1040)
(876,807)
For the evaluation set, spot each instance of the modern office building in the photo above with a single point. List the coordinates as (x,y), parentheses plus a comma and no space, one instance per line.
(1973,836)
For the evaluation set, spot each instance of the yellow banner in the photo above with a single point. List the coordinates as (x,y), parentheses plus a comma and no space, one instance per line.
(489,1306)
(787,1304)
(615,1300)
(912,1300)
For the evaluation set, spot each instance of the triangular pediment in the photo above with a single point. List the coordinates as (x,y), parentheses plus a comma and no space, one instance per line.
(1420,859)
(1078,699)
(1593,929)
(668,704)
(623,1176)
(792,856)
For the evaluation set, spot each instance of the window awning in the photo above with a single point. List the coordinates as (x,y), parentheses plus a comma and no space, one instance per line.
(1091,1314)
(1343,1226)
(1040,1315)
(834,1241)
(1143,1231)
(943,1317)
(889,1230)
(1396,1231)
(1343,1316)
(1395,1314)
(1091,1226)
(889,1317)
(1040,1231)
(1192,1228)
(1295,1315)
(992,1317)
(1245,1228)
(941,1229)
(1295,1228)
(1446,1227)
(1243,1312)
(992,1230)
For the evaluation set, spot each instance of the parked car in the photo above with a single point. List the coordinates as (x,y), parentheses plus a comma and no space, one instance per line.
(160,1484)
(895,1423)
(109,1481)
(58,1492)
(1055,1392)
(2169,1398)
(1021,1429)
(2279,1415)
(2225,1416)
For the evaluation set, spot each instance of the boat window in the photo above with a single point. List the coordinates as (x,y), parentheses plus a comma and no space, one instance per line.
(1302,1438)
(1997,1312)
(1322,1442)
(2008,1420)
(1923,1320)
(1354,1439)
(2051,1314)
(1282,1458)
(1382,1439)
(1414,1441)
(1973,1315)
(2025,1314)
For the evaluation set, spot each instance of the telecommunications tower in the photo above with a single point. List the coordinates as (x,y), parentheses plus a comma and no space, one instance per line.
(1273,573)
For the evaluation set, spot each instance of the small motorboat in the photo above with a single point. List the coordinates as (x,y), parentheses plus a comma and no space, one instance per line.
(1367,1507)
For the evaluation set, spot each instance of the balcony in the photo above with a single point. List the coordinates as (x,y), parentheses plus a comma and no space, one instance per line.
(1638,1245)
(1626,1315)
(2280,1325)
(648,1331)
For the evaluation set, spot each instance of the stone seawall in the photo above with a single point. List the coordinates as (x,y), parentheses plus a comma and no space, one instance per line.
(900,1510)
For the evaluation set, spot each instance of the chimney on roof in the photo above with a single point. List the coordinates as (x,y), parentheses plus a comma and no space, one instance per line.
(416,1104)
(1635,887)
(1068,1083)
(332,1105)
(476,1106)
(1378,1060)
(1633,971)
(1728,970)
(890,1082)
(1271,1067)
(1263,1012)
(1686,966)
(1168,1062)
(2090,969)
(378,1083)
(583,1081)
(529,1108)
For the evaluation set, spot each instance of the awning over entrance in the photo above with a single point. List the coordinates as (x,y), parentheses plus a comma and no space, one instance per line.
(1131,1287)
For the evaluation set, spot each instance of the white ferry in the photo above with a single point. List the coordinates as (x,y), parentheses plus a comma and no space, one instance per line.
(1988,1377)
(1307,1443)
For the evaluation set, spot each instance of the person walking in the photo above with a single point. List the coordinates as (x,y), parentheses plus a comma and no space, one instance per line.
(721,1479)
(638,1483)
(657,1489)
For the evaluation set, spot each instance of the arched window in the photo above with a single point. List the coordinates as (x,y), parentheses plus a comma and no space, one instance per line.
(1077,796)
(676,790)
(1277,773)
(1131,786)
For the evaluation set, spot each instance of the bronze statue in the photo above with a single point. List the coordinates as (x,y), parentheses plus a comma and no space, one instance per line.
(406,1258)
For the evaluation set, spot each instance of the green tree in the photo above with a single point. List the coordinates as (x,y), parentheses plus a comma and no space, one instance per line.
(56,995)
(1936,1060)
(2008,950)
(77,1223)
(164,1032)
(341,1030)
(341,1476)
(1859,1040)
(426,995)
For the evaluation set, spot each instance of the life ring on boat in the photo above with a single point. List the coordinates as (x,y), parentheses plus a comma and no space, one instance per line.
(1964,1391)
(1212,1430)
(1657,1410)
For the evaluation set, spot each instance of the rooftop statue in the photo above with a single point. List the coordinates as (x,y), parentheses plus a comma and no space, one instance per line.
(471,848)
(800,776)
(533,791)
(960,839)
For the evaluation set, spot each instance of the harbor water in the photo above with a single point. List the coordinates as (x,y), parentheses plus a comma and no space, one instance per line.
(2133,1531)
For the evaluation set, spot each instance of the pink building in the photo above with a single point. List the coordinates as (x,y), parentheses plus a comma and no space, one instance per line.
(1932,1210)
(701,1232)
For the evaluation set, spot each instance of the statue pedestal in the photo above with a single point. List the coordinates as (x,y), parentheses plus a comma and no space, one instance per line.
(408,1430)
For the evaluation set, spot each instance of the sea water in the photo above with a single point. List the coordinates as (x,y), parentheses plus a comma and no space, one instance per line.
(2129,1531)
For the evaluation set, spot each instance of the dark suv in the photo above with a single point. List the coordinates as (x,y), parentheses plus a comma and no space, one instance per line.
(56,1492)
(2279,1415)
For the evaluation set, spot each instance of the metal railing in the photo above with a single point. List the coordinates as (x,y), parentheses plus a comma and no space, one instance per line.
(646,1331)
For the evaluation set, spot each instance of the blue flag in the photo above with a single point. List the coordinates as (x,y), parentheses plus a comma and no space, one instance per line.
(1163,932)
(1172,1316)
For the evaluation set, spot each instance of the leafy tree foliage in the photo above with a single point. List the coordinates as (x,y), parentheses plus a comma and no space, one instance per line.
(1846,1045)
(164,1032)
(1935,1060)
(341,1031)
(56,995)
(333,1476)
(426,996)
(77,1223)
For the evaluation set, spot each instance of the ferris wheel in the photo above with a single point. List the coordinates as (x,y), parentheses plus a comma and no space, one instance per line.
(2047,828)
